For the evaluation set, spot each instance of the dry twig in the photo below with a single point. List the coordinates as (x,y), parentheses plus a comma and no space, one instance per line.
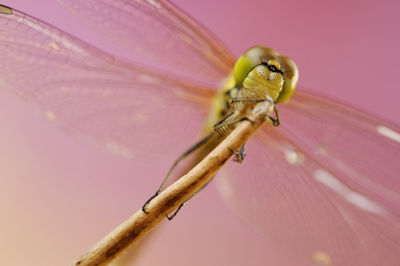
(140,223)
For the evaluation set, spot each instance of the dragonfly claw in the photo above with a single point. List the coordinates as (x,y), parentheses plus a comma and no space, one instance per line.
(148,201)
(239,155)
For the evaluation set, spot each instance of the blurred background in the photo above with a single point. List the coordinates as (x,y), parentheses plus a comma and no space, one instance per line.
(59,195)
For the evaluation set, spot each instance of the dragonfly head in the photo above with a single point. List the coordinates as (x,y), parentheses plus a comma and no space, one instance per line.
(281,72)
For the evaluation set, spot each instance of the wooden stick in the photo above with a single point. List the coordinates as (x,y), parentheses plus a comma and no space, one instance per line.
(140,223)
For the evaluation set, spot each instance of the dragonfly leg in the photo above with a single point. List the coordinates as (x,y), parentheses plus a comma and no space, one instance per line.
(176,212)
(253,100)
(228,123)
(220,123)
(174,165)
(148,201)
(239,155)
(275,121)
(180,206)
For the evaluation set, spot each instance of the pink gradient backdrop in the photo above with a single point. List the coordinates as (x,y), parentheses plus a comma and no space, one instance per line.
(58,195)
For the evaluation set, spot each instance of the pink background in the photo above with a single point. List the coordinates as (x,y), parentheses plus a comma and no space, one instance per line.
(54,204)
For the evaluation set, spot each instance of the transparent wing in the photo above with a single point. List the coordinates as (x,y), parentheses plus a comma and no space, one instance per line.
(126,107)
(324,186)
(158,33)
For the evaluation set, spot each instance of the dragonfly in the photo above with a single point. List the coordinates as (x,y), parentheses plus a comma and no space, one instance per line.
(323,185)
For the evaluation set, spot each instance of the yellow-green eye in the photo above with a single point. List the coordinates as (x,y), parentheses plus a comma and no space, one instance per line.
(242,68)
(290,77)
(274,62)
